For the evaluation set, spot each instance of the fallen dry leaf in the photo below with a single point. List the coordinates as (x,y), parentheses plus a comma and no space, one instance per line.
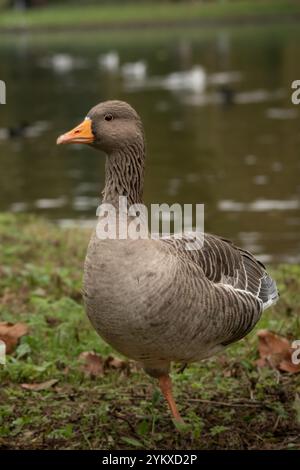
(93,364)
(112,362)
(10,333)
(275,351)
(37,387)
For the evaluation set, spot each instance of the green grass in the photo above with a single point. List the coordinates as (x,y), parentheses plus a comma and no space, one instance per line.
(226,401)
(139,14)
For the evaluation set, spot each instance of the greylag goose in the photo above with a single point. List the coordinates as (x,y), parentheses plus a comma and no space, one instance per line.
(153,300)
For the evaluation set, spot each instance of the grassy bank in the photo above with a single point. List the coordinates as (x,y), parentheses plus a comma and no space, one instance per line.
(147,14)
(227,401)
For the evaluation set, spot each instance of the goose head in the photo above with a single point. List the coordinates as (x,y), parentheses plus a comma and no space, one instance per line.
(115,128)
(111,126)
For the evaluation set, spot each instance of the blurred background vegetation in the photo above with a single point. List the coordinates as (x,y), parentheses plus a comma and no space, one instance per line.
(39,3)
(24,4)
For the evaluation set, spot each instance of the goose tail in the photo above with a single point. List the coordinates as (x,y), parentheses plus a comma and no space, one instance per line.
(268,291)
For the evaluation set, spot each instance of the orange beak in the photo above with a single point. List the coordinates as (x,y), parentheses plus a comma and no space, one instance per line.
(81,134)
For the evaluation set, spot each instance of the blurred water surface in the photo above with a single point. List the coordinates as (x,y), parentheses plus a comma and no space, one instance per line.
(216,105)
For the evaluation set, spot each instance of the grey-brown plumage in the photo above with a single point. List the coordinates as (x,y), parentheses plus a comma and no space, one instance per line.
(153,300)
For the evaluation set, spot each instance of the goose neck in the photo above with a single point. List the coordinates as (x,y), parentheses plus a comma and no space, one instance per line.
(124,175)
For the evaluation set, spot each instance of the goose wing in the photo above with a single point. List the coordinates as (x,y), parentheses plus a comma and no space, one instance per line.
(236,274)
(224,263)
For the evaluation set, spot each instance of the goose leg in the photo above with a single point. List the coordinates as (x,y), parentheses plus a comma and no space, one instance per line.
(165,385)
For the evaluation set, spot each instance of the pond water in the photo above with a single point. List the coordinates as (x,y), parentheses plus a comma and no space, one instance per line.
(216,105)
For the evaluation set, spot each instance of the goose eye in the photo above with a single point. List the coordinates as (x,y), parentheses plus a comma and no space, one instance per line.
(108,117)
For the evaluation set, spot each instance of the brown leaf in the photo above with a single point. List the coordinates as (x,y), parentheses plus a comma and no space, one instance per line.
(288,366)
(275,351)
(37,387)
(112,362)
(92,363)
(10,333)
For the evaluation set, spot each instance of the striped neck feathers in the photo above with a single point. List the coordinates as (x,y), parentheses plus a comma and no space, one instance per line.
(124,174)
